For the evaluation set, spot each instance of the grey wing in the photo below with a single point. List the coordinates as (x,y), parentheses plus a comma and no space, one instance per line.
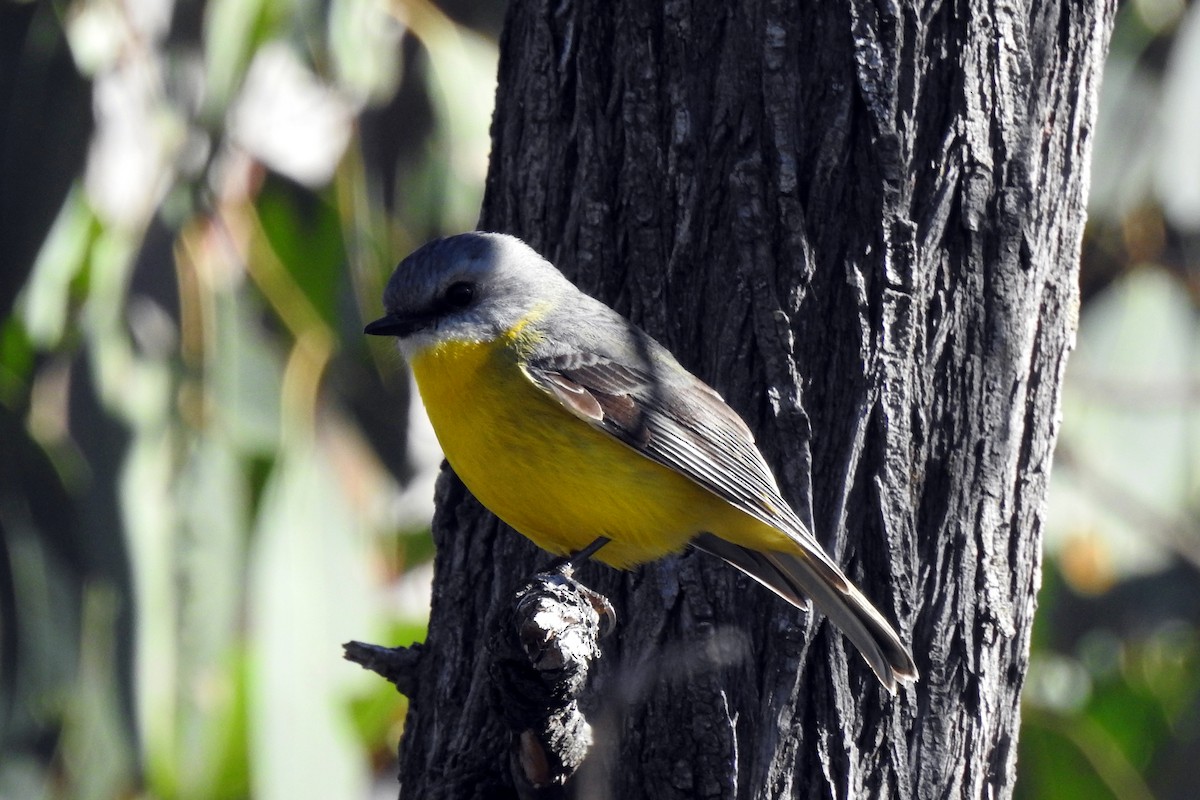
(665,413)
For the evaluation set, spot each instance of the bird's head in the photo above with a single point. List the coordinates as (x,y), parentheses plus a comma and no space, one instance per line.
(473,287)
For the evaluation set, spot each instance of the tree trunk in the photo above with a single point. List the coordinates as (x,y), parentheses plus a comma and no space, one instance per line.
(861,223)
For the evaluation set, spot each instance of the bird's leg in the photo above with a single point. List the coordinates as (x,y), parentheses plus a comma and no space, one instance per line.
(568,565)
(566,568)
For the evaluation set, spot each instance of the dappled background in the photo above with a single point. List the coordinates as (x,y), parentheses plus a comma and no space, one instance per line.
(209,479)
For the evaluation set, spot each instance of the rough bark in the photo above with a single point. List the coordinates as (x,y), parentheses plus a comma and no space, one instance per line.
(860,222)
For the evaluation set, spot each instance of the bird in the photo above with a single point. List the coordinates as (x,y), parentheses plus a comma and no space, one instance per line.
(580,431)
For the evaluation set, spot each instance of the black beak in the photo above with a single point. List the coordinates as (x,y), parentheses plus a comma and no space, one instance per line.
(392,325)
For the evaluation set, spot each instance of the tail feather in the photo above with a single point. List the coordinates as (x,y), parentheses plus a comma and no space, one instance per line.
(796,578)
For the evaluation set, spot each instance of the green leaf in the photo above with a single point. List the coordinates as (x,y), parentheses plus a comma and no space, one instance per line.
(47,297)
(305,232)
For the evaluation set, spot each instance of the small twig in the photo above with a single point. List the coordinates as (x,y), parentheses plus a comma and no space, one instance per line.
(397,664)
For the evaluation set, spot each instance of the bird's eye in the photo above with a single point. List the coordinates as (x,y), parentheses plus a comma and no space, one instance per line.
(459,295)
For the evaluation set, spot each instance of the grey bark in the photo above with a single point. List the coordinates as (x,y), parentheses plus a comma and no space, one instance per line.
(861,223)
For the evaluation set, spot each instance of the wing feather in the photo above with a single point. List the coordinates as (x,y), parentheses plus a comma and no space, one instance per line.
(675,419)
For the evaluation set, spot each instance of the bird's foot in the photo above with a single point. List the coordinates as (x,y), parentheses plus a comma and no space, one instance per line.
(566,566)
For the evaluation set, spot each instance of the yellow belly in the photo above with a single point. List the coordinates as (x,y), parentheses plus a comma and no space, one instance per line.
(549,474)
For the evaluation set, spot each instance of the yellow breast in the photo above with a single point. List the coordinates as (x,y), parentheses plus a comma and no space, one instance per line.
(547,473)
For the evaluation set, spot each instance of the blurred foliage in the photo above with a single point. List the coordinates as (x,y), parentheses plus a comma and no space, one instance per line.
(1112,702)
(206,485)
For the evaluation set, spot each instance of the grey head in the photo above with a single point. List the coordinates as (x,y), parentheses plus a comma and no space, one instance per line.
(469,287)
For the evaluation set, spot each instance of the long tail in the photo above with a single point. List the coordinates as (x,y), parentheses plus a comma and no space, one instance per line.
(795,578)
